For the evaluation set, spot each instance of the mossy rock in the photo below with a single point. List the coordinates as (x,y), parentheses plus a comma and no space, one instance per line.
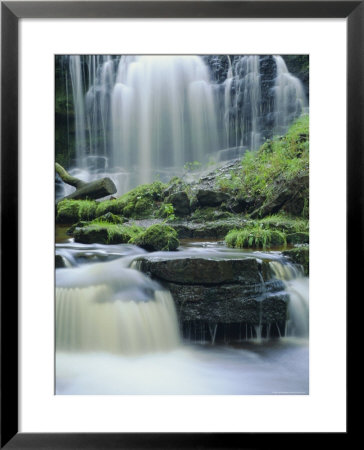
(72,211)
(111,218)
(298,238)
(299,255)
(157,237)
(106,233)
(139,203)
(210,214)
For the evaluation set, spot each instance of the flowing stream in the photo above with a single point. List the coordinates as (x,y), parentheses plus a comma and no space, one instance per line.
(117,331)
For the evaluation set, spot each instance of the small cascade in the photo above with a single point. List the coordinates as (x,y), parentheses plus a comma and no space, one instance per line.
(107,308)
(297,286)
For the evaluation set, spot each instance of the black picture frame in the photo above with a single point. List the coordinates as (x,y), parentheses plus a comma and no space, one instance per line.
(11,12)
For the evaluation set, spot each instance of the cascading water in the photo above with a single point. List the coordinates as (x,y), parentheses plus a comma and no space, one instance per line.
(110,308)
(289,95)
(297,287)
(117,332)
(139,117)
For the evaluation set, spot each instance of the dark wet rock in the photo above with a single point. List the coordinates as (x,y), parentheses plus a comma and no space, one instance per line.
(202,270)
(207,197)
(298,238)
(59,262)
(180,202)
(289,196)
(299,255)
(220,290)
(231,303)
(207,230)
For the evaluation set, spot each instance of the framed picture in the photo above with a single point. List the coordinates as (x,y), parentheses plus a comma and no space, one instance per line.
(203,142)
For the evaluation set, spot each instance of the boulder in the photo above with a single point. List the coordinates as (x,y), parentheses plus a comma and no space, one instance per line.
(223,291)
(180,202)
(202,270)
(207,197)
(157,237)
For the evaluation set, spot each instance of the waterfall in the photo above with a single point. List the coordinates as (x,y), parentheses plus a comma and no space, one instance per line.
(106,307)
(297,287)
(242,108)
(290,98)
(142,117)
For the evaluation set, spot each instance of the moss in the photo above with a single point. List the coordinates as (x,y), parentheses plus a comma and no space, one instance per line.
(157,237)
(139,203)
(71,211)
(255,238)
(110,218)
(106,233)
(209,214)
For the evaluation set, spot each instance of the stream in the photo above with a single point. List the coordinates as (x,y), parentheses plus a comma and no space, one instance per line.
(117,330)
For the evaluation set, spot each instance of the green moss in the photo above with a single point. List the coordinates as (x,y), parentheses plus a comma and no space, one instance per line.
(157,237)
(106,233)
(255,238)
(139,203)
(71,211)
(209,214)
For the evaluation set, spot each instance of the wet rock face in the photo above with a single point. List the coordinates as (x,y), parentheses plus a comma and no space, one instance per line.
(220,290)
(202,270)
(207,197)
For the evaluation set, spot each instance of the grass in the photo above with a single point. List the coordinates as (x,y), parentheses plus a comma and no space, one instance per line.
(279,158)
(256,237)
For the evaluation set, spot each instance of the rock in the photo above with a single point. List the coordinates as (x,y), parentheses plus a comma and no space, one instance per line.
(158,237)
(298,238)
(231,303)
(202,270)
(106,233)
(112,218)
(207,197)
(289,196)
(220,291)
(180,202)
(299,255)
(59,262)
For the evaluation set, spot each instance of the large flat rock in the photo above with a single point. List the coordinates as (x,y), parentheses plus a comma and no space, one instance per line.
(224,291)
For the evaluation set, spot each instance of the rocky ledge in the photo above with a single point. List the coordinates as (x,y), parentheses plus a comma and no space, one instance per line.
(220,291)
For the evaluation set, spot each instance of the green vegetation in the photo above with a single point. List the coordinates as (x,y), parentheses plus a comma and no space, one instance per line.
(281,158)
(275,230)
(209,213)
(157,237)
(285,223)
(167,211)
(72,211)
(139,203)
(256,237)
(274,178)
(106,233)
